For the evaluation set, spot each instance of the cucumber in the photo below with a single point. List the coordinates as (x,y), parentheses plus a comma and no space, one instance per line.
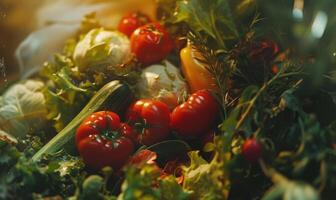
(114,96)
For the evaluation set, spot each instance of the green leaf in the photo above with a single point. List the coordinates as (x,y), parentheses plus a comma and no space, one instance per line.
(242,7)
(289,100)
(139,183)
(9,155)
(275,193)
(206,181)
(64,75)
(91,188)
(22,109)
(298,191)
(172,190)
(248,94)
(211,17)
(147,183)
(65,96)
(209,147)
(291,191)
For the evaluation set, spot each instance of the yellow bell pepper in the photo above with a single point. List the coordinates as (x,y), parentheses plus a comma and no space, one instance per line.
(196,74)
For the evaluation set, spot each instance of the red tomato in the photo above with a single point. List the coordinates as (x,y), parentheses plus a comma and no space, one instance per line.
(129,132)
(150,119)
(130,22)
(275,69)
(252,150)
(264,51)
(197,115)
(151,43)
(102,141)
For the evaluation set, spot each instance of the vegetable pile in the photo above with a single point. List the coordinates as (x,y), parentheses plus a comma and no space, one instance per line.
(220,99)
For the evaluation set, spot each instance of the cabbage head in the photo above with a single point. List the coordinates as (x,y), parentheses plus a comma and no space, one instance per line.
(100,48)
(22,109)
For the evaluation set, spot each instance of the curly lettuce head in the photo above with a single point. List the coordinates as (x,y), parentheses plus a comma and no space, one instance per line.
(100,48)
(22,109)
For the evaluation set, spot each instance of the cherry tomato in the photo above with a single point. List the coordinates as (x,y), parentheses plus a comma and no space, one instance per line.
(252,150)
(263,51)
(150,119)
(151,43)
(102,141)
(275,69)
(130,22)
(197,115)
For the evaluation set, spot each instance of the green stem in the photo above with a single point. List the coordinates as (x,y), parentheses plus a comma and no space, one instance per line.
(259,93)
(272,174)
(324,174)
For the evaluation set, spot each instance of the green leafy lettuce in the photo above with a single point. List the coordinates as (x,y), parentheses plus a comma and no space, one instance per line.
(206,180)
(145,183)
(22,109)
(21,178)
(100,48)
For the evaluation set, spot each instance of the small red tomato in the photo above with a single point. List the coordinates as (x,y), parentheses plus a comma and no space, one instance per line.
(151,43)
(263,51)
(252,150)
(150,119)
(197,115)
(102,141)
(275,69)
(130,22)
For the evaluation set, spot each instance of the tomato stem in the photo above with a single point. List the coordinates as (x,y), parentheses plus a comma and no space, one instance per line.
(111,135)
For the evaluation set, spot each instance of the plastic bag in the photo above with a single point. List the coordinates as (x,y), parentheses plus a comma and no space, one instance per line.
(61,20)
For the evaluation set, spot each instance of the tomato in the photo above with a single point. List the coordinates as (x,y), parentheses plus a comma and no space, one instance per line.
(197,115)
(263,51)
(150,119)
(130,22)
(275,69)
(102,140)
(151,43)
(196,74)
(252,150)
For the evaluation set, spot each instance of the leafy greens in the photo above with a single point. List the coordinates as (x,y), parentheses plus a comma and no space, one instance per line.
(22,109)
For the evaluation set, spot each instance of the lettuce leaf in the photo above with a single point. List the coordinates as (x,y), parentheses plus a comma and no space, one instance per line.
(146,183)
(206,180)
(100,48)
(67,91)
(22,109)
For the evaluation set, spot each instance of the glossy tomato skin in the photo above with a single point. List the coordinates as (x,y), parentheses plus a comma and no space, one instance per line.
(196,116)
(151,119)
(252,150)
(151,43)
(101,141)
(129,132)
(130,22)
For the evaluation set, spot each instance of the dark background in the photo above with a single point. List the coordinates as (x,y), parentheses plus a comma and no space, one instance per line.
(16,22)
